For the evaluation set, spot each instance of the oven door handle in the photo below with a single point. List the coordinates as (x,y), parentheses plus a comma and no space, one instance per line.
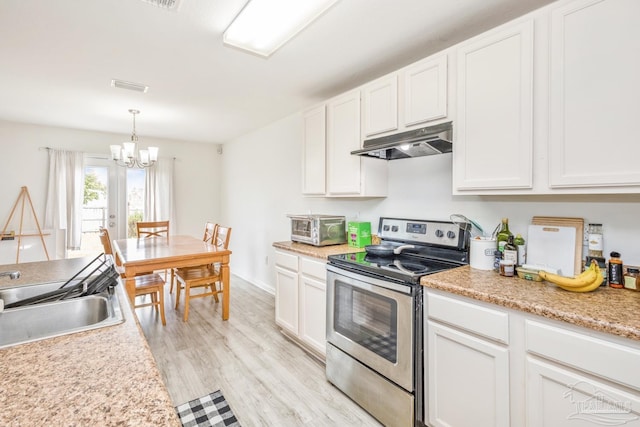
(402,288)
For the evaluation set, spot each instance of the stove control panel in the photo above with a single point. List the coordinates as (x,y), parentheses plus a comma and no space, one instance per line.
(425,232)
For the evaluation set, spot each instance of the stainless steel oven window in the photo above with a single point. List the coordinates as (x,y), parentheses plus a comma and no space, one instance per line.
(368,319)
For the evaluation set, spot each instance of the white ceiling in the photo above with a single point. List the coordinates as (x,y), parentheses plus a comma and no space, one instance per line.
(58,58)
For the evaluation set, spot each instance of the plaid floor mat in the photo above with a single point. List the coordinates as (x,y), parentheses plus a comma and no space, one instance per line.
(207,411)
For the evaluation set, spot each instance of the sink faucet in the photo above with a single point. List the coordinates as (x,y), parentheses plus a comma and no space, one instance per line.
(11,274)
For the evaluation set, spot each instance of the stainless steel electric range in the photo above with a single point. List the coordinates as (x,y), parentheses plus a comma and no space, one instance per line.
(374,315)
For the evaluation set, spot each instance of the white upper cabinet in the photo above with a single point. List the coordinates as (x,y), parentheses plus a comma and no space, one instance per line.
(493,132)
(406,99)
(314,151)
(380,106)
(349,175)
(343,137)
(594,94)
(424,91)
(331,131)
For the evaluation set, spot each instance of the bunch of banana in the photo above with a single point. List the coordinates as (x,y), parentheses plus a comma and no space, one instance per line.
(587,281)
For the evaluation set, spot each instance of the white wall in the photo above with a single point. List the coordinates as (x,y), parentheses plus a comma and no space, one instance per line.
(23,163)
(262,183)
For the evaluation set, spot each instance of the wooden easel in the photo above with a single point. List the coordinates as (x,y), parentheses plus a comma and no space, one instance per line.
(24,194)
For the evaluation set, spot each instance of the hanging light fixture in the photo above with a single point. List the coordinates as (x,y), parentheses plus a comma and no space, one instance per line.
(127,155)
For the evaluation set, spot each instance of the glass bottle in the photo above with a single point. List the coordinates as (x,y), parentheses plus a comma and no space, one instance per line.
(503,234)
(522,249)
(595,240)
(510,251)
(615,271)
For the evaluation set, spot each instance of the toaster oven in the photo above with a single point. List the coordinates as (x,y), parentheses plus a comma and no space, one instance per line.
(318,230)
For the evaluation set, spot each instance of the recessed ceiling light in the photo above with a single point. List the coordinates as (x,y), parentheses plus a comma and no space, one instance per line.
(263,26)
(121,84)
(165,4)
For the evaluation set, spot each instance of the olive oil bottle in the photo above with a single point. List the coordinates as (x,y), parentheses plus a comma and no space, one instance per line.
(503,235)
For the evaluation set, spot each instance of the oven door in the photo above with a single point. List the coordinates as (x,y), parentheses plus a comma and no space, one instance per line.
(372,321)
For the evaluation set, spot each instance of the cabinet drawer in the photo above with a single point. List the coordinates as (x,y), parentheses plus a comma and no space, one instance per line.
(286,260)
(312,268)
(600,357)
(484,321)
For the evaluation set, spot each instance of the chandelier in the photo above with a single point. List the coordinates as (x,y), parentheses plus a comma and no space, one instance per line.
(127,155)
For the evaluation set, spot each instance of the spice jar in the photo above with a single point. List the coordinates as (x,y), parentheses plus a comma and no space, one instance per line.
(632,279)
(507,268)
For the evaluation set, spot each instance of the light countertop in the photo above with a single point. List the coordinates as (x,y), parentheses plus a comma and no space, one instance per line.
(102,377)
(613,311)
(321,252)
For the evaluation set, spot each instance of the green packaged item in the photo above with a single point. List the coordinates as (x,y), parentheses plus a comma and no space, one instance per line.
(358,234)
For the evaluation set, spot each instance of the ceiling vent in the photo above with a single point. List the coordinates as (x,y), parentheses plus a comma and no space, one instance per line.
(121,84)
(172,5)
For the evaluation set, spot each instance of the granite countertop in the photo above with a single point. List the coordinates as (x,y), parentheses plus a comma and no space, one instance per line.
(614,311)
(104,377)
(321,252)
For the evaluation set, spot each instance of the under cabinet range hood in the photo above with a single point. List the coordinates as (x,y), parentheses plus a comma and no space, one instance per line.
(425,141)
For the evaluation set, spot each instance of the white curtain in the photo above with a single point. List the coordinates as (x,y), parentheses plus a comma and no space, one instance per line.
(158,192)
(65,189)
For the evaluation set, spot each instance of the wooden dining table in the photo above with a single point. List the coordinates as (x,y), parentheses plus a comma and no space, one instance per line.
(148,255)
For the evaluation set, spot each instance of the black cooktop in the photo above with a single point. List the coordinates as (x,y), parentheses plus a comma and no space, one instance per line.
(436,246)
(406,268)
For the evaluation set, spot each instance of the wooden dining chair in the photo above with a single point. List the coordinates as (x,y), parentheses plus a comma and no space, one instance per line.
(146,284)
(210,230)
(206,277)
(148,229)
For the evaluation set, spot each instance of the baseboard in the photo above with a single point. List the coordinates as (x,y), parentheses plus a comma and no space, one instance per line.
(258,284)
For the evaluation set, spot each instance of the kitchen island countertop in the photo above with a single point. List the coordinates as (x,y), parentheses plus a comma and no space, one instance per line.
(613,311)
(104,377)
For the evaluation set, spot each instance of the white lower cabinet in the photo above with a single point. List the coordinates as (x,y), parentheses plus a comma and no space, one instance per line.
(468,379)
(490,366)
(301,300)
(467,364)
(578,379)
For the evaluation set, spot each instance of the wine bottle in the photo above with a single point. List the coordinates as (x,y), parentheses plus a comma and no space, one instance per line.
(503,235)
(522,249)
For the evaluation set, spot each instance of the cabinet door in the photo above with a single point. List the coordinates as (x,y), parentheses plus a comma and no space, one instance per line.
(313,312)
(559,397)
(425,91)
(494,126)
(314,151)
(380,105)
(343,137)
(468,379)
(287,299)
(594,92)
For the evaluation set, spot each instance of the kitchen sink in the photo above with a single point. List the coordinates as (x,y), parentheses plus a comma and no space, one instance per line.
(51,319)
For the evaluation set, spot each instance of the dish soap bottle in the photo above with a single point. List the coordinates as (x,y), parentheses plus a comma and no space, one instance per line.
(503,235)
(522,249)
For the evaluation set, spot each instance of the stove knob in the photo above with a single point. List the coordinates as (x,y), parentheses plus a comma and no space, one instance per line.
(439,233)
(451,234)
(385,228)
(394,228)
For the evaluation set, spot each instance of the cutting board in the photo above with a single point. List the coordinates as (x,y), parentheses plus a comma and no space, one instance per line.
(577,223)
(552,246)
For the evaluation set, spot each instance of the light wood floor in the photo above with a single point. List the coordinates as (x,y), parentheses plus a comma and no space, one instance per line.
(267,380)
